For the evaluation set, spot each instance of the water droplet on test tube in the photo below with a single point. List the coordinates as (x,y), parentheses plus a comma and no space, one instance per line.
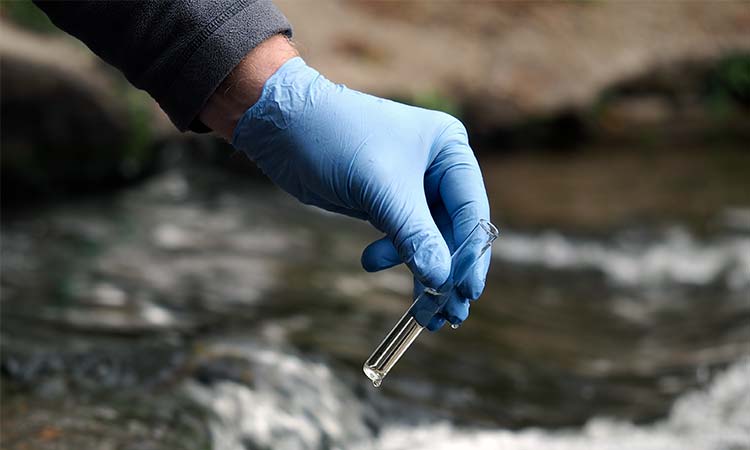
(455,326)
(376,383)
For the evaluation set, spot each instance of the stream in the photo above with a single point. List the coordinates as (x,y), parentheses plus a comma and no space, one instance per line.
(200,310)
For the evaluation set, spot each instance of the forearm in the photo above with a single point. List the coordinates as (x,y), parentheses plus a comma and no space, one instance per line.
(242,88)
(178,51)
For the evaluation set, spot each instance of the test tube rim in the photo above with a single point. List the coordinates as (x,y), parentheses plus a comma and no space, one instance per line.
(490,228)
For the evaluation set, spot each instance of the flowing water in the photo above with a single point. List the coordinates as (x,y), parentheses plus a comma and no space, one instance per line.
(200,311)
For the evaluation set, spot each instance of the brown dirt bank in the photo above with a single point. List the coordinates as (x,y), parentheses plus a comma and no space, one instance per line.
(510,60)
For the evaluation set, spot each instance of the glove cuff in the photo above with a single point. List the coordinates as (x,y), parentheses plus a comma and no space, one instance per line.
(284,94)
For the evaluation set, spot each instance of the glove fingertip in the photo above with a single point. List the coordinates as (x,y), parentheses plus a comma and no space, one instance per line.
(436,323)
(455,320)
(456,310)
(473,286)
(472,289)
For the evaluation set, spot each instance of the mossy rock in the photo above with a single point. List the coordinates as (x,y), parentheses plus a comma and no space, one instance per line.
(68,124)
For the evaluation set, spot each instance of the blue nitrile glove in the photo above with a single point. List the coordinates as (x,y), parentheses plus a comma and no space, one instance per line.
(409,171)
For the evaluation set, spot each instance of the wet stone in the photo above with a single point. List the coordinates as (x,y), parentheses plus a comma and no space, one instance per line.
(224,368)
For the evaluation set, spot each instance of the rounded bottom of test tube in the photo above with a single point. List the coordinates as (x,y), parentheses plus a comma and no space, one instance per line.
(455,326)
(374,375)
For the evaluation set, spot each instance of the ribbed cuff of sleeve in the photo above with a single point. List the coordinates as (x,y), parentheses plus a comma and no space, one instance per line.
(220,52)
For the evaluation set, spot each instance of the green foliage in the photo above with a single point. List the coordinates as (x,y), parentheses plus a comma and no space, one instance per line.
(139,147)
(432,100)
(25,14)
(728,85)
(437,101)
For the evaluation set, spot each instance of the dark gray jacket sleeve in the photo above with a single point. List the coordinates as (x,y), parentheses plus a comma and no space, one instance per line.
(178,51)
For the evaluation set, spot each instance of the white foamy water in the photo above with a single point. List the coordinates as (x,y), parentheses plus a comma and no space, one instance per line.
(717,418)
(294,404)
(675,256)
(297,404)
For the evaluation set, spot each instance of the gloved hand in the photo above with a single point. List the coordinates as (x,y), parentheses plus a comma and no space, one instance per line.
(407,170)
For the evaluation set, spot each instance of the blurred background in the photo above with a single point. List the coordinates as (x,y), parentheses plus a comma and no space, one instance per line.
(159,293)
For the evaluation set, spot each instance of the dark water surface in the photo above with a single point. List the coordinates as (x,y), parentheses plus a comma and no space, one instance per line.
(198,309)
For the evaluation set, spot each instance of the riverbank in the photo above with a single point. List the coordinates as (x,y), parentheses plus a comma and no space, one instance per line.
(650,86)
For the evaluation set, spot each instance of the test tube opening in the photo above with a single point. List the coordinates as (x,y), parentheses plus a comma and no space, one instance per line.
(490,229)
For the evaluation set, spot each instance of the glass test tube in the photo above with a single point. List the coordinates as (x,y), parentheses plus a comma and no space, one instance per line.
(431,302)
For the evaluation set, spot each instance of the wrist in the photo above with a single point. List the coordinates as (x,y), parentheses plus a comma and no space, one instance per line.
(243,86)
(285,98)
